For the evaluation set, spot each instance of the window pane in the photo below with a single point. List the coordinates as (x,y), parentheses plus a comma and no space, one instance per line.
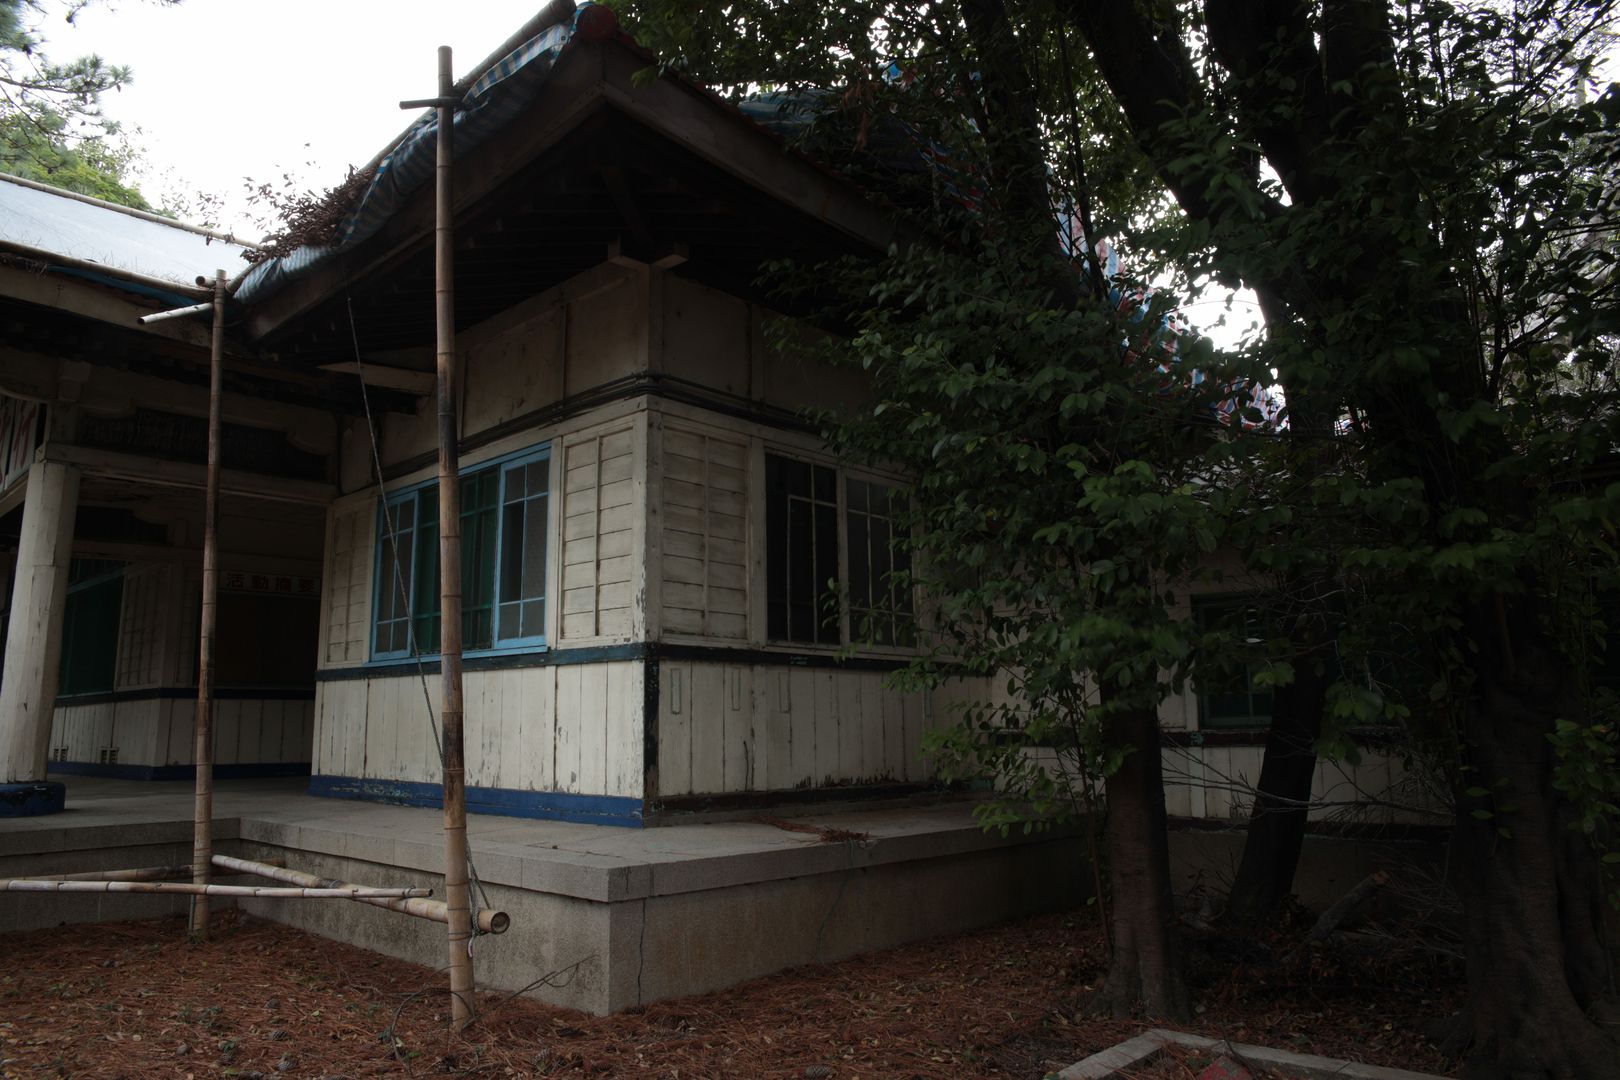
(826,561)
(860,566)
(826,484)
(1226,679)
(523,551)
(776,551)
(90,632)
(534,545)
(512,528)
(801,571)
(795,476)
(534,618)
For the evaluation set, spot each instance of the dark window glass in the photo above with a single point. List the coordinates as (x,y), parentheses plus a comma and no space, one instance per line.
(880,605)
(801,551)
(1227,695)
(90,627)
(523,550)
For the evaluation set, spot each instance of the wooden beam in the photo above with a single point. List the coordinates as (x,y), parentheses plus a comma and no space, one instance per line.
(419,383)
(137,468)
(92,301)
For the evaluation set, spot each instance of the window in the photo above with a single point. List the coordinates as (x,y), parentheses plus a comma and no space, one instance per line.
(503,562)
(1227,695)
(801,551)
(879,611)
(803,558)
(90,626)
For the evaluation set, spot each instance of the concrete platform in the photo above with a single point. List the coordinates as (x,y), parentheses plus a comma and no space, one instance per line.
(633,915)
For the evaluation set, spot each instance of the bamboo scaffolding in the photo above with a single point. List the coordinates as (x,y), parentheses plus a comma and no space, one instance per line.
(189,888)
(488,922)
(202,844)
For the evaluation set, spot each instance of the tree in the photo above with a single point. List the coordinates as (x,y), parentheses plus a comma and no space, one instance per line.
(1452,155)
(52,128)
(1423,197)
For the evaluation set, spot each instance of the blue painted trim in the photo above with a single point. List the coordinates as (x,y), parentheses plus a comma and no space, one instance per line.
(507,802)
(251,770)
(32,798)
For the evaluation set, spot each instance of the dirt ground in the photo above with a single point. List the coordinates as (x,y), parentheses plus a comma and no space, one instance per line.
(265,1001)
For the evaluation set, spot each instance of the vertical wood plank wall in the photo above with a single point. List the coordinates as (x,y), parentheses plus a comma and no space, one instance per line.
(752,727)
(150,724)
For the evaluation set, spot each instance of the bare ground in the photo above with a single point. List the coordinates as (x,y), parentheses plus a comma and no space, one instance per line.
(263,1000)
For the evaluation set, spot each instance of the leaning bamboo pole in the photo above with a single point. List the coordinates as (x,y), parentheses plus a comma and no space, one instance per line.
(488,922)
(355,892)
(202,845)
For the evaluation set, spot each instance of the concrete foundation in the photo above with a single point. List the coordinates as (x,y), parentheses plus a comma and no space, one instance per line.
(627,916)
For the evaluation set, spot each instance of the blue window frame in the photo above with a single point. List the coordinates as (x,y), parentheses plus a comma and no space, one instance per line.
(504,513)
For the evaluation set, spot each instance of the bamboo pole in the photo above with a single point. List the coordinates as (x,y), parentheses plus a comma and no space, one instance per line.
(457,896)
(139,873)
(202,845)
(489,922)
(356,892)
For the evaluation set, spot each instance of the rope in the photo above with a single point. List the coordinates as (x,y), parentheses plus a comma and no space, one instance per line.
(404,592)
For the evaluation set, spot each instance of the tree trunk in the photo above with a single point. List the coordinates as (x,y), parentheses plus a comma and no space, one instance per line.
(1265,876)
(1537,962)
(1146,971)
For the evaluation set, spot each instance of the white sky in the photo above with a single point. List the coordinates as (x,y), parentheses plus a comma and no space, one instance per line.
(227,89)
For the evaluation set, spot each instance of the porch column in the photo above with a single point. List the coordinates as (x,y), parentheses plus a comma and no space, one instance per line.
(34,639)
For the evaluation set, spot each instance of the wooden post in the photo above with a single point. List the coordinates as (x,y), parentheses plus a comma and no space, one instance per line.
(38,603)
(457,896)
(202,841)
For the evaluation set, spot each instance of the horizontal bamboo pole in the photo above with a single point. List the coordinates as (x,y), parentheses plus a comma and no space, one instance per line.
(489,922)
(189,888)
(139,873)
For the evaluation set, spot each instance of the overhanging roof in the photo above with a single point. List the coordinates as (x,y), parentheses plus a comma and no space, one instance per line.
(595,160)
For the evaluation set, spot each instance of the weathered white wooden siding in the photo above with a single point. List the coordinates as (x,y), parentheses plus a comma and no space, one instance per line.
(703,533)
(346,583)
(738,727)
(572,728)
(160,731)
(1217,782)
(602,508)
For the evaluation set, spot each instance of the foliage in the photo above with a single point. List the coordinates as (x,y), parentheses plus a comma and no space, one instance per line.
(52,128)
(1423,197)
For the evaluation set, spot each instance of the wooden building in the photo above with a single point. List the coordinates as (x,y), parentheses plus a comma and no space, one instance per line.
(646,514)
